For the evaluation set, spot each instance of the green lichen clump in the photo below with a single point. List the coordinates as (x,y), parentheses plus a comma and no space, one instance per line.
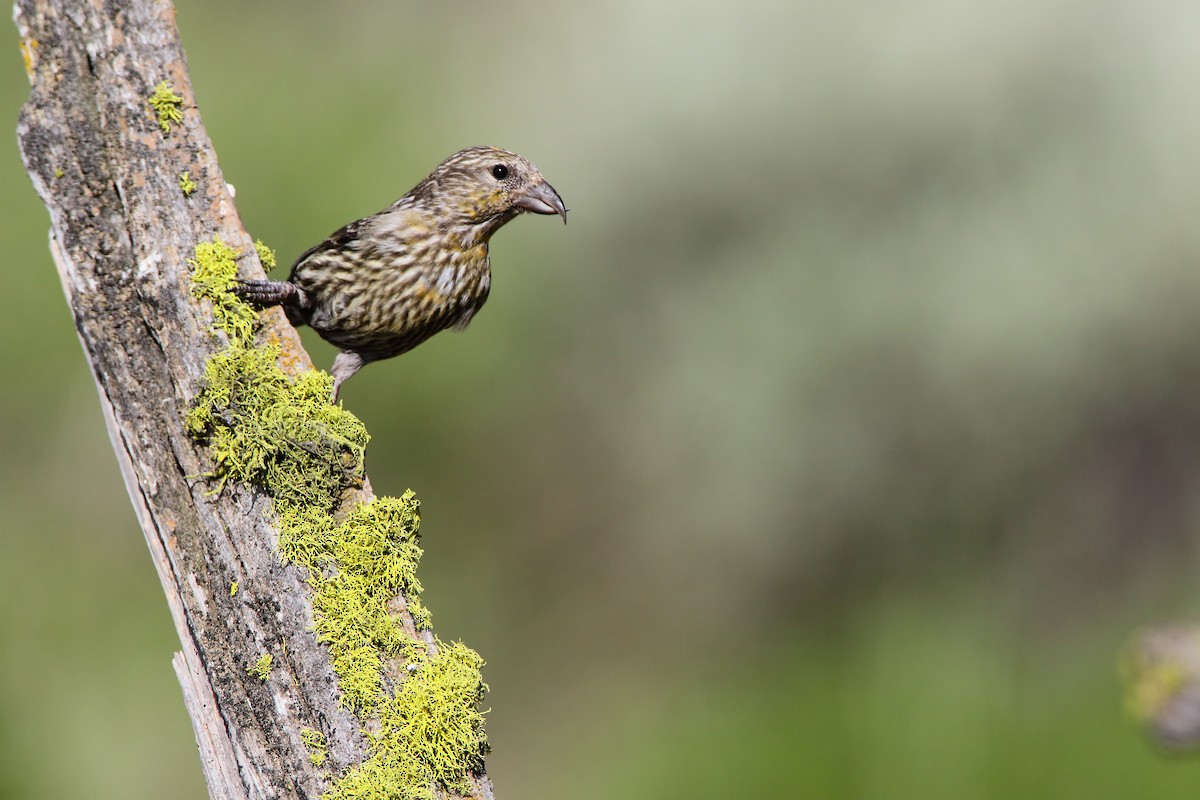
(375,552)
(314,742)
(283,436)
(214,274)
(186,184)
(300,447)
(166,104)
(430,729)
(262,667)
(265,255)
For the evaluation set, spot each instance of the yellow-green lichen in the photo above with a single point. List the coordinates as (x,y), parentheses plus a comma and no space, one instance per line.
(431,729)
(269,430)
(166,105)
(283,436)
(262,667)
(374,554)
(233,589)
(214,274)
(314,742)
(58,173)
(265,255)
(186,184)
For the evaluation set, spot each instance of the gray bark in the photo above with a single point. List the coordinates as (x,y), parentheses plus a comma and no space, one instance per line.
(121,231)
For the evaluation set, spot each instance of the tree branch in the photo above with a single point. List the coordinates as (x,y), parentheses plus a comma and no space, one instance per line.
(122,230)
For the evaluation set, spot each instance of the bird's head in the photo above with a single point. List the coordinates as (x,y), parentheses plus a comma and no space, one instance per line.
(487,187)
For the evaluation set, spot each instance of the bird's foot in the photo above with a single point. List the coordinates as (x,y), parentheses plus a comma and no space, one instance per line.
(270,293)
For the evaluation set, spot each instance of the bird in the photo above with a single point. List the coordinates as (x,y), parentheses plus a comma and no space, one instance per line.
(383,284)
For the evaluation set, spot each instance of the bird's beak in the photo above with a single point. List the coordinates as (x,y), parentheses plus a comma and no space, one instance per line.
(540,198)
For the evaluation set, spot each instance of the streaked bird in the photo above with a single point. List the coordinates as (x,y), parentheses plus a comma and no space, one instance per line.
(381,285)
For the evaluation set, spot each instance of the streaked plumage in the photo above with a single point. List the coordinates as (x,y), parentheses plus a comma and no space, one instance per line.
(381,285)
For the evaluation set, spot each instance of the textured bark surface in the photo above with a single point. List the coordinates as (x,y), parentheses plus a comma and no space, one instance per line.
(121,232)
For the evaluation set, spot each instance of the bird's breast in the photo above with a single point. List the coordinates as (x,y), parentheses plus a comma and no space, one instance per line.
(413,293)
(451,288)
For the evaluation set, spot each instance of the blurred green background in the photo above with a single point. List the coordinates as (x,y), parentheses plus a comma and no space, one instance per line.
(834,450)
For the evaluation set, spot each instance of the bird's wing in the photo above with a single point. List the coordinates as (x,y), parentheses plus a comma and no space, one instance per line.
(341,239)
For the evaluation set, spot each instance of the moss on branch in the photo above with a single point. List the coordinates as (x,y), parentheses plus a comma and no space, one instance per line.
(283,436)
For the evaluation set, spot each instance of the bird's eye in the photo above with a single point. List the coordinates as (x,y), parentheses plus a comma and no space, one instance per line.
(499,172)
